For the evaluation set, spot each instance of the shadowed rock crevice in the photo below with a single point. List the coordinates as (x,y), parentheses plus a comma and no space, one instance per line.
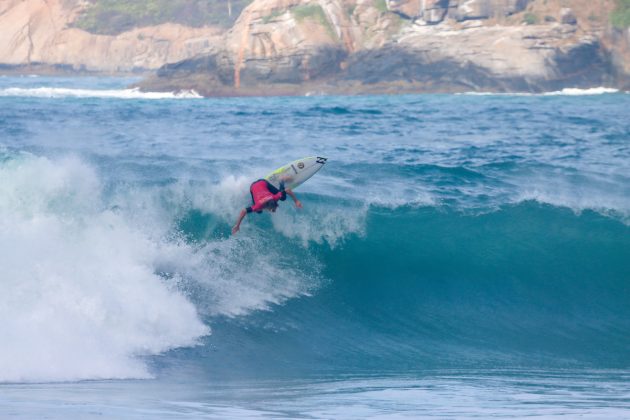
(385,70)
(586,65)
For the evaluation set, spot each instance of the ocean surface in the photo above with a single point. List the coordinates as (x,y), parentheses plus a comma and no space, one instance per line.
(459,256)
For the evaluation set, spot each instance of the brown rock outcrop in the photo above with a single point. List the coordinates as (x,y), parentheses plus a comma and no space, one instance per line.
(435,11)
(484,9)
(39,32)
(298,46)
(567,16)
(354,45)
(409,8)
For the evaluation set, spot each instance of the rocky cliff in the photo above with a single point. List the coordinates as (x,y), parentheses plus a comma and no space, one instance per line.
(346,46)
(36,34)
(336,46)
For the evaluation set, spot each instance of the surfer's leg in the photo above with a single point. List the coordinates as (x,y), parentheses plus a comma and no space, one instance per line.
(272,189)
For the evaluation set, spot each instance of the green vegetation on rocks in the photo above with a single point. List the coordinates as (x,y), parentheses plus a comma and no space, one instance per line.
(304,11)
(272,16)
(530,19)
(620,17)
(315,12)
(112,17)
(381,5)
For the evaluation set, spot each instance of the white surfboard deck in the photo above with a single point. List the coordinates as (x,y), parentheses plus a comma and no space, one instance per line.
(295,173)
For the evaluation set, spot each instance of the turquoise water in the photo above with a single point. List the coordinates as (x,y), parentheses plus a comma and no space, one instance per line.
(458,256)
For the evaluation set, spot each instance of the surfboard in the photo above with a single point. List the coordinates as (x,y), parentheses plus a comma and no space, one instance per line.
(295,173)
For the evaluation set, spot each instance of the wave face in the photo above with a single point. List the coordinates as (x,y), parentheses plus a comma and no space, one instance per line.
(527,285)
(445,232)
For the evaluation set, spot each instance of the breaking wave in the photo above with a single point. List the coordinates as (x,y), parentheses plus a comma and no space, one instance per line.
(444,231)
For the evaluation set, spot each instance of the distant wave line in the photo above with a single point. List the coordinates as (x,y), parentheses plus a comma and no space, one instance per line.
(564,92)
(56,92)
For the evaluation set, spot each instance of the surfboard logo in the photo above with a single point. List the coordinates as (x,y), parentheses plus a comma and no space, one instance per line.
(295,173)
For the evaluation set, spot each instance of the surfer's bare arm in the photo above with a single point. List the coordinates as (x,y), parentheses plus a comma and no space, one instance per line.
(237,226)
(290,193)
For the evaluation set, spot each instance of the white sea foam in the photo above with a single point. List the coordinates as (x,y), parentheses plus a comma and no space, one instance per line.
(80,298)
(320,223)
(250,272)
(58,92)
(394,194)
(564,92)
(579,92)
(91,283)
(226,198)
(483,93)
(602,196)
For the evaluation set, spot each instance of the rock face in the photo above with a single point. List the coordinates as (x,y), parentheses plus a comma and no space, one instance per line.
(300,46)
(39,32)
(341,46)
(411,9)
(484,9)
(522,59)
(567,16)
(435,11)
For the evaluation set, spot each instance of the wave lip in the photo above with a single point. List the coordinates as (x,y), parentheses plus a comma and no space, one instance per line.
(57,92)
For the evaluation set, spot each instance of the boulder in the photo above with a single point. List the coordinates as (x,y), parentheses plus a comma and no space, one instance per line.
(485,9)
(430,11)
(567,16)
(474,9)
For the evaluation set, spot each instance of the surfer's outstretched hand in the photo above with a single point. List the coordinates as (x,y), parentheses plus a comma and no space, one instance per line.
(297,202)
(237,226)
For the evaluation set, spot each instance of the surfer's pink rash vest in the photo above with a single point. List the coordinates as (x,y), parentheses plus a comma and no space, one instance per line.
(261,195)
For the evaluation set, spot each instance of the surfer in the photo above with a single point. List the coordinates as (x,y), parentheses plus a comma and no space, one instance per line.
(265,196)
